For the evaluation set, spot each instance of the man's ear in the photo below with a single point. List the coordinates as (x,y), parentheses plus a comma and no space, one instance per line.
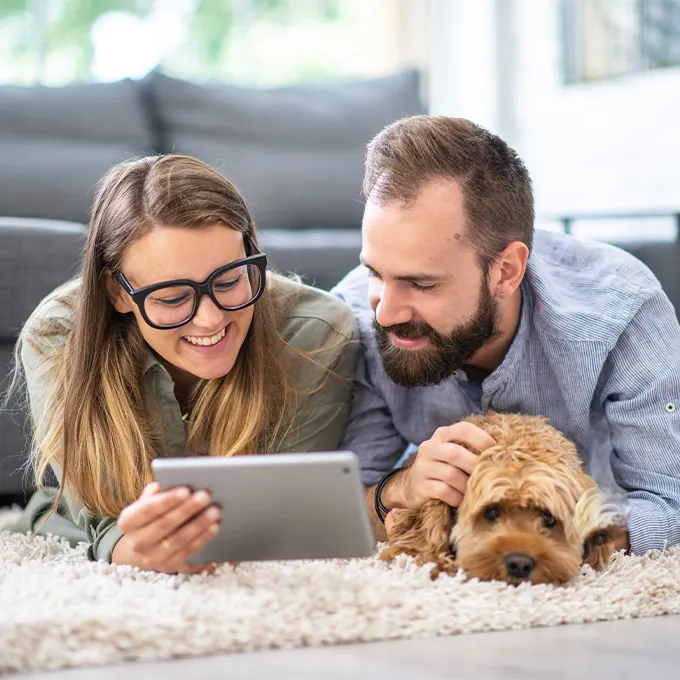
(118,297)
(510,267)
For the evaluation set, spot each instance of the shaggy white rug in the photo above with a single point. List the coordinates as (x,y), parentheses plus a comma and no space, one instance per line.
(57,609)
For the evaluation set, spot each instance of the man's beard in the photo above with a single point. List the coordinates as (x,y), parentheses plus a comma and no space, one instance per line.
(446,354)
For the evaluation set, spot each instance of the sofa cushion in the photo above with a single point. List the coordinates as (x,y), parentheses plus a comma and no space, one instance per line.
(35,257)
(57,142)
(321,257)
(296,153)
(663,258)
(15,442)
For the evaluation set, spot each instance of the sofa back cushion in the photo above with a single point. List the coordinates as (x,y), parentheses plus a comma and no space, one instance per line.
(296,153)
(57,142)
(663,258)
(35,257)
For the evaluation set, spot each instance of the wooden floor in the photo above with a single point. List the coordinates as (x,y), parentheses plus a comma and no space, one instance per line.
(643,648)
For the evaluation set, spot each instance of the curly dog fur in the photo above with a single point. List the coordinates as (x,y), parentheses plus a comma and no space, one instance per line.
(529,513)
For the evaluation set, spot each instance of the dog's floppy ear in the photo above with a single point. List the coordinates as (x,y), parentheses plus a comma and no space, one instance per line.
(424,534)
(601,520)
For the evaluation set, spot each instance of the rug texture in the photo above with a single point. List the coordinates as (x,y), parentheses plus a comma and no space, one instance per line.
(58,610)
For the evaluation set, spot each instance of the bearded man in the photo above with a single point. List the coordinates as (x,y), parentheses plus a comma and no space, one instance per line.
(463,307)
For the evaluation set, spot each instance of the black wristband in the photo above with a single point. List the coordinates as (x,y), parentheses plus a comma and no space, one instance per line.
(379,507)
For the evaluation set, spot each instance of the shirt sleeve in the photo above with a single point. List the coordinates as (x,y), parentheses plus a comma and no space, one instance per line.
(641,400)
(72,520)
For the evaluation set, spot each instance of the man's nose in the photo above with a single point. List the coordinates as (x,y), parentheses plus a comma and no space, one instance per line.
(390,310)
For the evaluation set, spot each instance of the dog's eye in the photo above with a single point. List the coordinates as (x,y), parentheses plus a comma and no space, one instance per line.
(548,520)
(492,513)
(599,539)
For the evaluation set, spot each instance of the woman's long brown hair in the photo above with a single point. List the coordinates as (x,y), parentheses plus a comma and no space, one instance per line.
(98,431)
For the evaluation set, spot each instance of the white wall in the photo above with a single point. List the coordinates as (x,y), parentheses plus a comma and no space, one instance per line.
(597,147)
(462,70)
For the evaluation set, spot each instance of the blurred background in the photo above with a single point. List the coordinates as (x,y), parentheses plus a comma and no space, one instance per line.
(586,90)
(251,42)
(283,95)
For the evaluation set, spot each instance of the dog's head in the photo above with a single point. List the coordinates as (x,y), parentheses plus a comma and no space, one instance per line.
(516,522)
(529,512)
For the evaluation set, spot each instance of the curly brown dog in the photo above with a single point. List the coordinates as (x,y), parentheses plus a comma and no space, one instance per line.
(530,512)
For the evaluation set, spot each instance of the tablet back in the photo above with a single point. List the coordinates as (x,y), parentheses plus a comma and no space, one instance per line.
(278,506)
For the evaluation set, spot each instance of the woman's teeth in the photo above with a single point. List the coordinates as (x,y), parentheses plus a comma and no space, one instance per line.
(206,342)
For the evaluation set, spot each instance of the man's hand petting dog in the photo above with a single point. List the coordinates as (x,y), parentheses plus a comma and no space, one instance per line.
(162,530)
(440,469)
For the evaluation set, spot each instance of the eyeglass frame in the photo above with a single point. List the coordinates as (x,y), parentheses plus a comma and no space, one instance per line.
(139,295)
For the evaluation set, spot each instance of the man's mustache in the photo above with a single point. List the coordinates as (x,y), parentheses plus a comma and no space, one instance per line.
(410,329)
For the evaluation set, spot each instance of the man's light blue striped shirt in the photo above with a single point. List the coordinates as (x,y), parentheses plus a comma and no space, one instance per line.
(597,351)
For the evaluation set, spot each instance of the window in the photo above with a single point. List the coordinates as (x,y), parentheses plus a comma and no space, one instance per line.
(254,42)
(608,38)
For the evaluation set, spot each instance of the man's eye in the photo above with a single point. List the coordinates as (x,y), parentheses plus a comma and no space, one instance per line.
(420,286)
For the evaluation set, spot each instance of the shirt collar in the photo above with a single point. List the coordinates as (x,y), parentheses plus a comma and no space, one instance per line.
(150,361)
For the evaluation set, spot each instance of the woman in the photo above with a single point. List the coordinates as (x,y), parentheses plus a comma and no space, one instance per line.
(172,341)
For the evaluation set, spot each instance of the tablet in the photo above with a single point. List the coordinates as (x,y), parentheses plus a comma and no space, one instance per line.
(278,506)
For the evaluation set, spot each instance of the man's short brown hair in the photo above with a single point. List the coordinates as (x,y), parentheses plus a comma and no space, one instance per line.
(497,191)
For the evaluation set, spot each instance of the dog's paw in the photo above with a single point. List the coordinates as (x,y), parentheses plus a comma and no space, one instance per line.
(391,552)
(444,564)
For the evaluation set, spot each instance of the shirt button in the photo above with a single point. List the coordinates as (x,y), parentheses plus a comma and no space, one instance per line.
(670,407)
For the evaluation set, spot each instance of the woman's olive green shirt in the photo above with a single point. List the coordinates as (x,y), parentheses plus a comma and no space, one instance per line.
(314,319)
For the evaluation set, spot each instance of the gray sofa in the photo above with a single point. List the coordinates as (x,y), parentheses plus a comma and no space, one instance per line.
(35,257)
(296,153)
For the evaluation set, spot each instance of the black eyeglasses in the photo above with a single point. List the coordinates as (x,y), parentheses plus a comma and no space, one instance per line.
(172,304)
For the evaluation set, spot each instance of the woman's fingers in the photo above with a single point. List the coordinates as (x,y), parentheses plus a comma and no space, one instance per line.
(150,490)
(200,540)
(177,523)
(179,545)
(170,523)
(147,509)
(164,529)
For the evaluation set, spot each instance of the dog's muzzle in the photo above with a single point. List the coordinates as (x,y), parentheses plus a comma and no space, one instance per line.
(519,565)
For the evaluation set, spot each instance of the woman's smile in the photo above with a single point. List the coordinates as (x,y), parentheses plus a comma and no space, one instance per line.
(209,344)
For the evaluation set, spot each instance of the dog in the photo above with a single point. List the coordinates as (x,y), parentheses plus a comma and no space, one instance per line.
(529,513)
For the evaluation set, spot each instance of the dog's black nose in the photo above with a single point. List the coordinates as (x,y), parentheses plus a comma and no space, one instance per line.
(519,565)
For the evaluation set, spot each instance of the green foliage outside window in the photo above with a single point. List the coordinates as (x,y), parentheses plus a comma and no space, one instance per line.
(265,42)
